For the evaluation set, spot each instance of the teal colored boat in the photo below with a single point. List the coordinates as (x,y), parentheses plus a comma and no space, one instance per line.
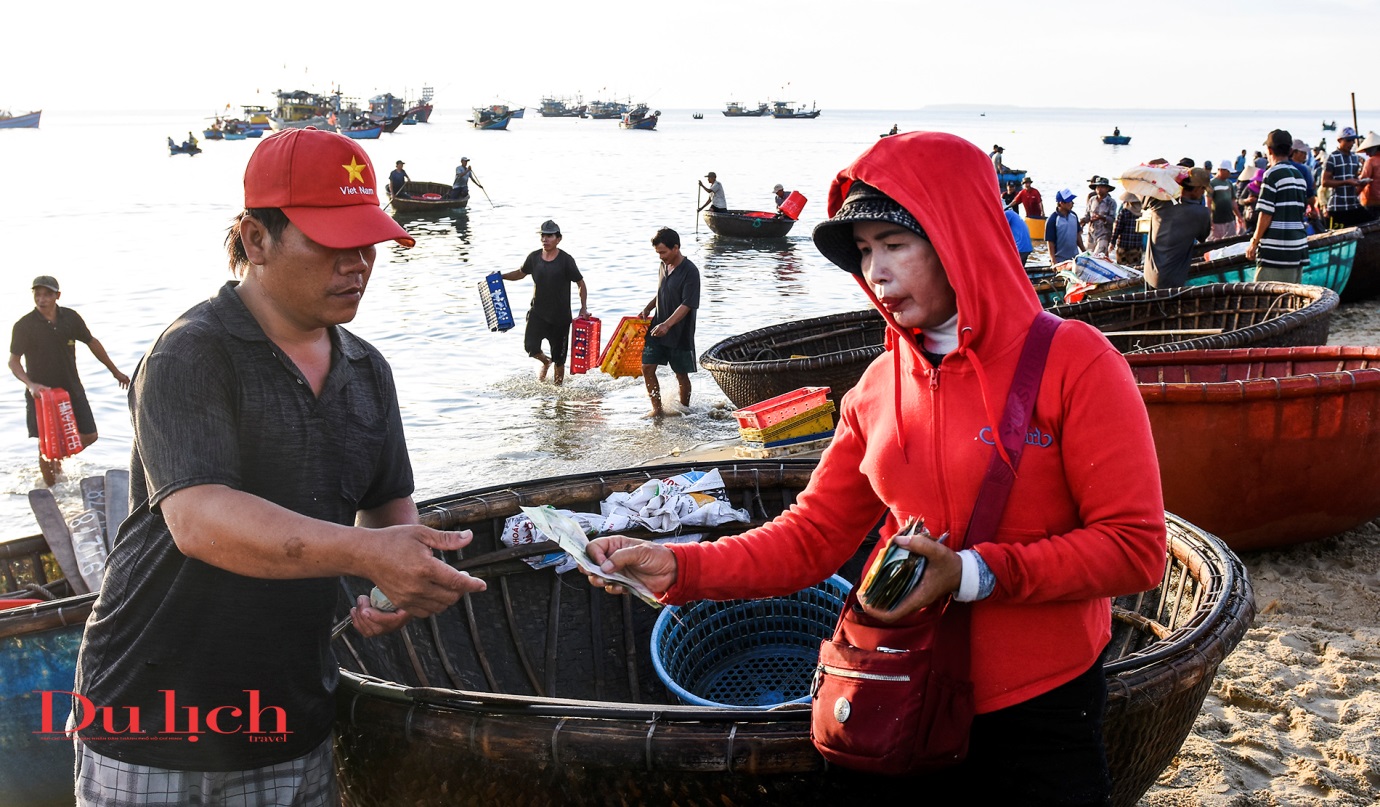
(1330,258)
(38,653)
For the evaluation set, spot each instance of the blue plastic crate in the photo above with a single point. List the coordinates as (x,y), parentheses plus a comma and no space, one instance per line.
(494,297)
(746,653)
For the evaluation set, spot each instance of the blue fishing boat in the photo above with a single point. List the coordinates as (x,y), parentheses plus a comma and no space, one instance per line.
(362,132)
(1010,176)
(236,135)
(518,113)
(38,653)
(639,117)
(783,109)
(1116,140)
(254,134)
(26,121)
(184,148)
(493,118)
(213,134)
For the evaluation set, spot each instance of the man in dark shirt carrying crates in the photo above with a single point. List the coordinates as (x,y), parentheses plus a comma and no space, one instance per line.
(552,270)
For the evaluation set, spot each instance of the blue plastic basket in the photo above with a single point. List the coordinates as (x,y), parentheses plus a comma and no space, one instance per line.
(746,653)
(498,314)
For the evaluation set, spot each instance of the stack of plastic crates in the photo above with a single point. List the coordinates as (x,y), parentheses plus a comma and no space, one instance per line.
(497,312)
(623,354)
(800,420)
(746,653)
(584,344)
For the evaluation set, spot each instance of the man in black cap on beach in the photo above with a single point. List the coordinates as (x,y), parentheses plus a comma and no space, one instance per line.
(268,461)
(43,354)
(552,270)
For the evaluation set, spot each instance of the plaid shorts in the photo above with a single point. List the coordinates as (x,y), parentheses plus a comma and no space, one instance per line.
(308,781)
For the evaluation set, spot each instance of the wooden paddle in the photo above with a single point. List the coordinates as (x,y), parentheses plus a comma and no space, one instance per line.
(392,195)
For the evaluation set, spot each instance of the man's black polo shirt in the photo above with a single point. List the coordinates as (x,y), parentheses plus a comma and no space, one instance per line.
(50,348)
(215,402)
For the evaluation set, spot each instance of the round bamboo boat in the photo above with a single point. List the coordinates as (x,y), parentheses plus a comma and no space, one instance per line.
(427,197)
(1267,447)
(748,223)
(1215,316)
(1365,268)
(830,351)
(541,690)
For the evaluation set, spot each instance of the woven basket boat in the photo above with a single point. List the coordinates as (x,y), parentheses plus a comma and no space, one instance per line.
(1221,315)
(1267,447)
(427,197)
(830,351)
(1330,259)
(1365,268)
(541,690)
(38,651)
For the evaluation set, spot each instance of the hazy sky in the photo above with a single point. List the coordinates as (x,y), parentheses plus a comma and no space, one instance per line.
(856,54)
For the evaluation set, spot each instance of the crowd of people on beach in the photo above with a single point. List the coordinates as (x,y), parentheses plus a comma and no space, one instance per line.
(1285,191)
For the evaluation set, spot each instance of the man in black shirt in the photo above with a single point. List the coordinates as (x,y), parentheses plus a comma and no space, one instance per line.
(671,337)
(552,270)
(268,460)
(45,339)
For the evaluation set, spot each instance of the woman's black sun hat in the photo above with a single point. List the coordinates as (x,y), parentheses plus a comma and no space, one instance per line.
(834,238)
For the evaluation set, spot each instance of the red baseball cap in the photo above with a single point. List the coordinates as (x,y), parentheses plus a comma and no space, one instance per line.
(324,183)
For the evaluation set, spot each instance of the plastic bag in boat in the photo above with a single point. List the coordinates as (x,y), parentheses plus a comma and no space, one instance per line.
(1229,251)
(519,530)
(692,499)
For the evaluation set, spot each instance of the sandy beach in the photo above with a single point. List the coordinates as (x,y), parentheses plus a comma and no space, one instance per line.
(1293,717)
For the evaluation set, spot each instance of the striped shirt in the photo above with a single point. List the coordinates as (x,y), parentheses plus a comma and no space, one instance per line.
(1283,194)
(1343,166)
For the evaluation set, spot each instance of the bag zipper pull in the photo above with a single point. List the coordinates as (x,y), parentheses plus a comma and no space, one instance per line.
(817,680)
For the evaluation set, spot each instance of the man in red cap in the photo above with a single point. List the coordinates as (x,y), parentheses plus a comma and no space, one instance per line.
(268,461)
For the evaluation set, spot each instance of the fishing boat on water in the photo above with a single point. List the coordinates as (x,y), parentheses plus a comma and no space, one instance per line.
(27,120)
(562,108)
(747,223)
(733,109)
(1116,138)
(386,105)
(1329,127)
(493,118)
(364,129)
(607,110)
(185,147)
(298,109)
(783,109)
(420,111)
(427,197)
(541,690)
(640,117)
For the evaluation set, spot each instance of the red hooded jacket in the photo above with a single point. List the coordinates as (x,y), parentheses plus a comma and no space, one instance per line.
(1085,520)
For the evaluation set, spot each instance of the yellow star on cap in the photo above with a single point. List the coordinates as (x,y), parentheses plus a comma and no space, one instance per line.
(356,170)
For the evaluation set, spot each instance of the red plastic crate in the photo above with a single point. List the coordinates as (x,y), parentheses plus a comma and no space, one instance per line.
(584,344)
(782,407)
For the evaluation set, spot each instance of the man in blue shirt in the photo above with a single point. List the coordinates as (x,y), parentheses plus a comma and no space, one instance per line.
(1062,230)
(1021,233)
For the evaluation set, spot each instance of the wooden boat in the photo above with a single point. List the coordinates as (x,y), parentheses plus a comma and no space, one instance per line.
(1116,140)
(184,148)
(28,120)
(391,124)
(235,135)
(733,109)
(1010,176)
(365,131)
(748,223)
(541,690)
(1330,259)
(607,110)
(494,118)
(1365,267)
(420,112)
(697,115)
(518,112)
(427,197)
(639,117)
(1215,316)
(213,134)
(560,108)
(1329,127)
(833,351)
(830,351)
(1267,447)
(783,109)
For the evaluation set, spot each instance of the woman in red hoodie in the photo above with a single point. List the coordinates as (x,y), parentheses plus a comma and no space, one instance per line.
(918,219)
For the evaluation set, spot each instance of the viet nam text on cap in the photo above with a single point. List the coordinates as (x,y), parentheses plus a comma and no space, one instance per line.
(324,183)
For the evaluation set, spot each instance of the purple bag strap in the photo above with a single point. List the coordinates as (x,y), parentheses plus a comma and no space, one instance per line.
(1015,422)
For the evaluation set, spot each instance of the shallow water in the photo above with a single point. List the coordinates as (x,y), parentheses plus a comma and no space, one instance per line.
(134,235)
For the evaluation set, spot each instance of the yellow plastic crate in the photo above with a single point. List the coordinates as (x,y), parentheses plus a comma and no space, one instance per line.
(623,356)
(811,421)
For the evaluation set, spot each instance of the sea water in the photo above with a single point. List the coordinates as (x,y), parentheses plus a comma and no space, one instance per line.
(135,237)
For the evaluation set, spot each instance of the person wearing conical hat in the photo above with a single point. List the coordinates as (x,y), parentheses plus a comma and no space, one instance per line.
(1370,172)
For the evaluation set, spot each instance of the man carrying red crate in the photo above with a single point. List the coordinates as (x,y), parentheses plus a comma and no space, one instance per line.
(552,270)
(45,339)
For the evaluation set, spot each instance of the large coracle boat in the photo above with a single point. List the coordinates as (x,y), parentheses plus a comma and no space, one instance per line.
(748,223)
(1269,446)
(542,690)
